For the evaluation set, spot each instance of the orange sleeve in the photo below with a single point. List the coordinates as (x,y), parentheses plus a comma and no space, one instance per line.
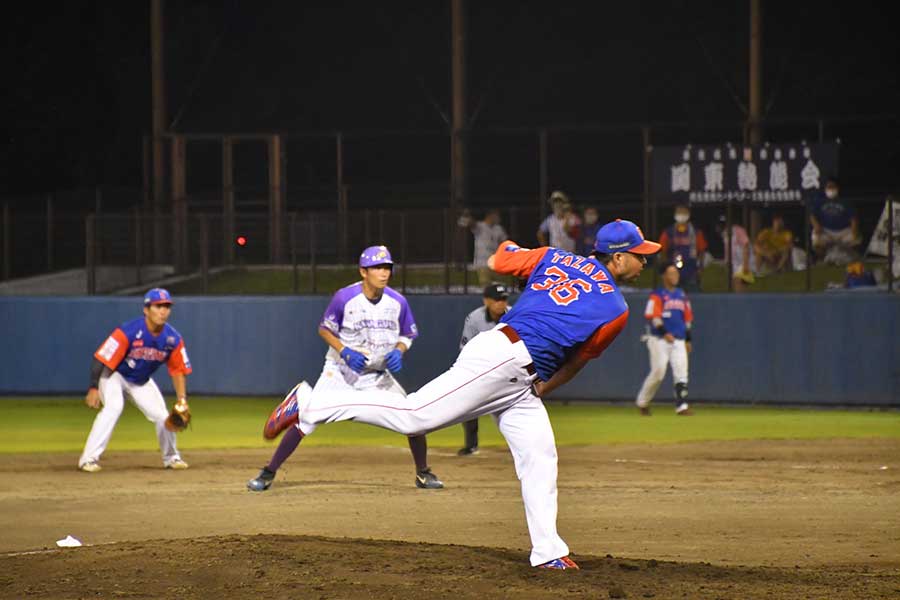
(179,363)
(688,311)
(664,241)
(701,243)
(603,337)
(654,308)
(510,259)
(112,351)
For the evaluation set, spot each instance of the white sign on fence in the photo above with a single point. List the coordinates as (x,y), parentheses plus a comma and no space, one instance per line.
(879,242)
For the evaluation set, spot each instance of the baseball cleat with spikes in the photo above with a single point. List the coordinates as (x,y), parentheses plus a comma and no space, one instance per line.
(559,563)
(288,412)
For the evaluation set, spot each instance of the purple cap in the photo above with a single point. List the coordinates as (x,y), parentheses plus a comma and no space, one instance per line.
(623,236)
(375,255)
(157,296)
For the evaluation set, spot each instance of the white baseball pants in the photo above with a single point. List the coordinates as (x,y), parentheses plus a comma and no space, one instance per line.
(146,397)
(663,354)
(488,377)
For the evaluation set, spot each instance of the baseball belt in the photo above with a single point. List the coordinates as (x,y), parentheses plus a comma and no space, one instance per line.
(513,337)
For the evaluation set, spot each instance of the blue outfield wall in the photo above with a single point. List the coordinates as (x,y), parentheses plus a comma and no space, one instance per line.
(830,349)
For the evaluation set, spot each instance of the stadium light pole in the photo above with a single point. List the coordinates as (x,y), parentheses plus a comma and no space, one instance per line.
(754,117)
(157,70)
(458,140)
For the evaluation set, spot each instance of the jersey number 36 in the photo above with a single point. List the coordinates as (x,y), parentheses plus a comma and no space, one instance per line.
(562,290)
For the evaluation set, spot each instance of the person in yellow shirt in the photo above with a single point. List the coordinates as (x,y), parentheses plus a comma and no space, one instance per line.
(773,247)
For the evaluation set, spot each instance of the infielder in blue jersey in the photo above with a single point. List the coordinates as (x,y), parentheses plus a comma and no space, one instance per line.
(570,311)
(669,319)
(122,365)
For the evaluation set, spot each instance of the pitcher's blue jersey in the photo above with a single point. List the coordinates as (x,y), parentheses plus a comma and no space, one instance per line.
(570,303)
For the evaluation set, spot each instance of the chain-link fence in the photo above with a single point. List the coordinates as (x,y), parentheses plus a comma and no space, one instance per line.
(310,202)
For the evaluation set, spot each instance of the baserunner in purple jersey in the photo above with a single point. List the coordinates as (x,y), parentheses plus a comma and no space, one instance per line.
(368,327)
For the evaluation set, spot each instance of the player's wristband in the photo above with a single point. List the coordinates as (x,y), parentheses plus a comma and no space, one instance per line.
(96,371)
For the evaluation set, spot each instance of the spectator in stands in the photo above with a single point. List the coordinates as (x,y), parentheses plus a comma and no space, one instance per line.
(773,247)
(560,228)
(742,259)
(835,227)
(859,276)
(488,234)
(684,245)
(588,232)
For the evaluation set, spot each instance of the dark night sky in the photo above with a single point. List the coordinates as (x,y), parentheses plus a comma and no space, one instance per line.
(77,74)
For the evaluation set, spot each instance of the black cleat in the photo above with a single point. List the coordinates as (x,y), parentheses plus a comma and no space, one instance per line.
(468,451)
(427,480)
(262,482)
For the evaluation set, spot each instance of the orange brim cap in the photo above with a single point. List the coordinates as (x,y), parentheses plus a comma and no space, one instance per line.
(646,247)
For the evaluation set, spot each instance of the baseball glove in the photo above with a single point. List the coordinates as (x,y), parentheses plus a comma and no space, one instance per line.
(179,417)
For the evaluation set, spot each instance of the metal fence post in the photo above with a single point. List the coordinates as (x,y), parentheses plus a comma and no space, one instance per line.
(890,251)
(293,241)
(98,222)
(806,241)
(729,250)
(204,254)
(403,252)
(543,179)
(514,223)
(7,242)
(447,250)
(49,232)
(312,252)
(138,243)
(89,256)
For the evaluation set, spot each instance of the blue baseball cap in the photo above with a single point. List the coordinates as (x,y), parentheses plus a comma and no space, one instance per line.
(623,236)
(157,296)
(375,255)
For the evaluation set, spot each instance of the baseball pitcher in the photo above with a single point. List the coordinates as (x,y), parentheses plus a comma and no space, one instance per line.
(570,312)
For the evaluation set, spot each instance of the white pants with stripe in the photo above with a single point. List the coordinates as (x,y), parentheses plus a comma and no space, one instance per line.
(663,354)
(488,377)
(149,400)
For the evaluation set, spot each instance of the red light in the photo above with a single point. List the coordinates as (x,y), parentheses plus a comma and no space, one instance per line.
(241,240)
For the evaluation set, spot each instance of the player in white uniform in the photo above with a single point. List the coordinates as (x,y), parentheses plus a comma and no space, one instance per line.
(368,327)
(670,318)
(123,365)
(570,311)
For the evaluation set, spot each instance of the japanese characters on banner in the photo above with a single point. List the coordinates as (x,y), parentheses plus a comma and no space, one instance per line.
(773,173)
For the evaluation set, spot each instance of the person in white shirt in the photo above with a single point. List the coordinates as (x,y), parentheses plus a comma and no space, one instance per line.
(488,234)
(560,228)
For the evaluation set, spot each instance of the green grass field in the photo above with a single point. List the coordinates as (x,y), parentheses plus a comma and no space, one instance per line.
(61,424)
(281,281)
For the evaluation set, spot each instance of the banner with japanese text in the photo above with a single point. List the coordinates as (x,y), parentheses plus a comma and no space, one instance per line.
(773,173)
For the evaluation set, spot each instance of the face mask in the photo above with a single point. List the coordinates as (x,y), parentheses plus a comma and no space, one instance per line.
(831,194)
(682,218)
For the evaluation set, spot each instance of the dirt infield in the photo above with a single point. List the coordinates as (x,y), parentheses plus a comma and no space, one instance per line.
(702,520)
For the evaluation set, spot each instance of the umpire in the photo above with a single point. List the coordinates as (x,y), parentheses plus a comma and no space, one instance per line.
(483,318)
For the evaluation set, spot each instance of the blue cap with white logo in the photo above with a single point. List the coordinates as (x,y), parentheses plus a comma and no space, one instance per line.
(623,236)
(157,296)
